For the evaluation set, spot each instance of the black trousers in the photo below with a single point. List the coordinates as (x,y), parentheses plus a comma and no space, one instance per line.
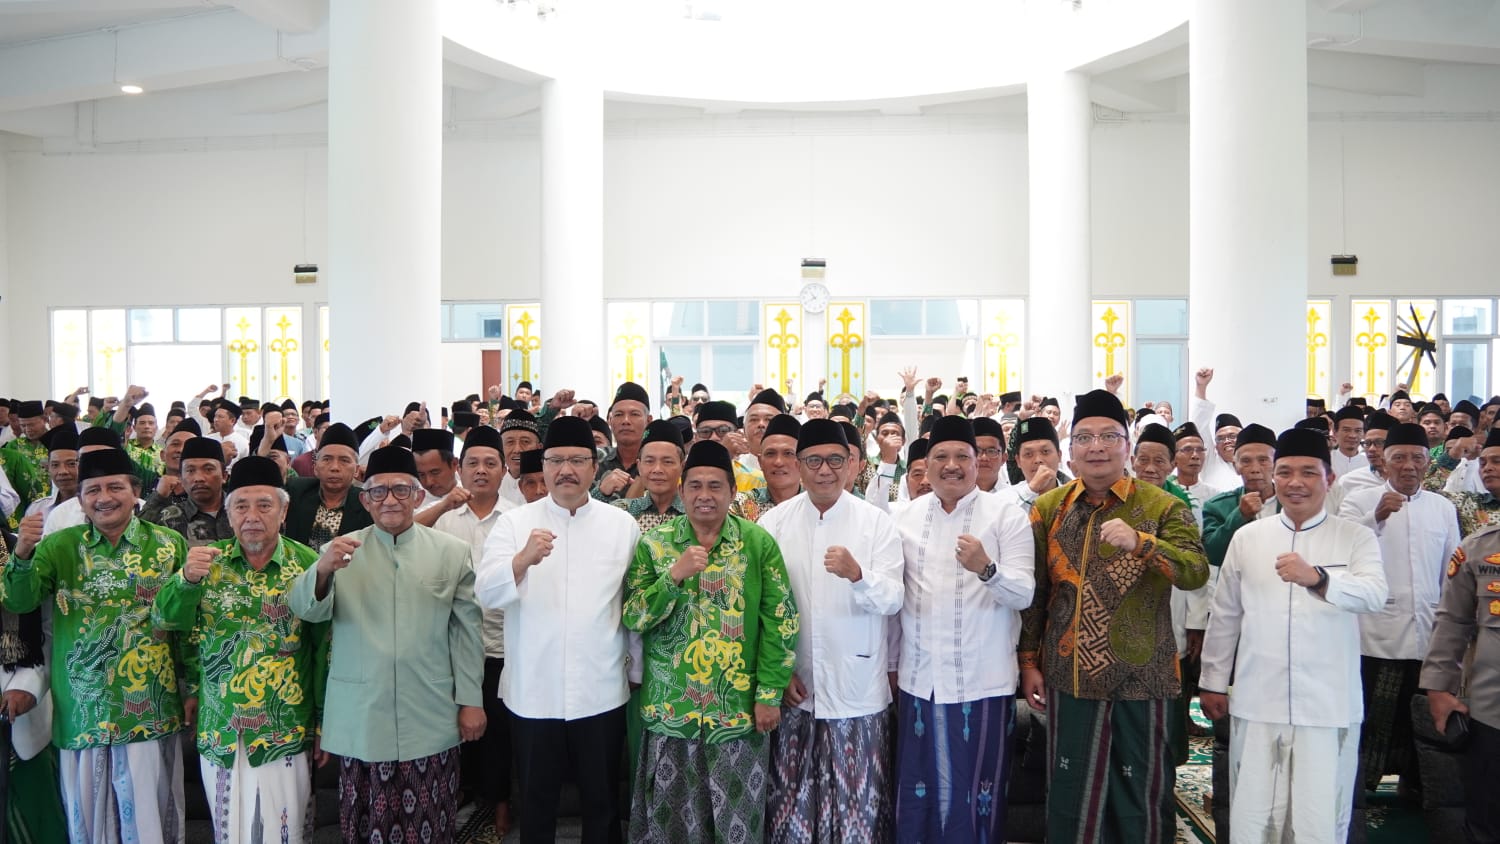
(1481,770)
(486,763)
(592,749)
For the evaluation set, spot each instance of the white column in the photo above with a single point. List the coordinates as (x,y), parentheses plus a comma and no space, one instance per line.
(1059,118)
(385,170)
(1247,226)
(572,260)
(30,383)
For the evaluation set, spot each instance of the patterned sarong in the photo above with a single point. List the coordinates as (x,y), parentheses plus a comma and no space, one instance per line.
(253,804)
(1386,742)
(399,802)
(830,779)
(687,791)
(952,766)
(124,792)
(1111,773)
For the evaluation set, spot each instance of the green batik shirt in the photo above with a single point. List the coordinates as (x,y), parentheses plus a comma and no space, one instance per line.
(114,674)
(27,481)
(1476,511)
(148,459)
(261,667)
(721,641)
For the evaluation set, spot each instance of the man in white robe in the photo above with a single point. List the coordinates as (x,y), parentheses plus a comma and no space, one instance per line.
(969,572)
(1348,434)
(1377,427)
(1418,532)
(1296,703)
(557,568)
(831,756)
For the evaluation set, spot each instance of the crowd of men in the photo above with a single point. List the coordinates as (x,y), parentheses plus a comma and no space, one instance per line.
(807,621)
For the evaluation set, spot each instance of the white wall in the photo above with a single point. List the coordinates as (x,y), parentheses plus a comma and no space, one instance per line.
(898,207)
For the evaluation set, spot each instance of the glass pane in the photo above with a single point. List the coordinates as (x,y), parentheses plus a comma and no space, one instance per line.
(1468,316)
(107,341)
(153,325)
(476,321)
(446,319)
(198,325)
(685,359)
(1161,374)
(677,319)
(950,317)
(896,317)
(323,347)
(1161,317)
(174,370)
(733,319)
(70,351)
(1468,370)
(734,370)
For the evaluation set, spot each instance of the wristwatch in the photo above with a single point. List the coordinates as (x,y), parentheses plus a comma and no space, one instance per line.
(987,573)
(1322,578)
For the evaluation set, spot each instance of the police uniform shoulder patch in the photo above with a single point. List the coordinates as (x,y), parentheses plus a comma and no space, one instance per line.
(1495,607)
(1493,586)
(1493,559)
(1453,565)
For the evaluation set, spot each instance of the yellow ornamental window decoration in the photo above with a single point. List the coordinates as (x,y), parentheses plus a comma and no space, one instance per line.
(846,349)
(243,347)
(783,346)
(1316,342)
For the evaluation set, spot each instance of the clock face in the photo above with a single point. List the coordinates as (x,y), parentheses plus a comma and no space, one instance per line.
(815,297)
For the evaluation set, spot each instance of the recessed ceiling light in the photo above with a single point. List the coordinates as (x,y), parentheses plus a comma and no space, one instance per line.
(132,89)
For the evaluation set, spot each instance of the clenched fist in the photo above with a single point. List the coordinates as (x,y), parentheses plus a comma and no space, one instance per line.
(1250,505)
(337,554)
(971,553)
(29,534)
(1291,568)
(838,561)
(200,562)
(1117,533)
(693,561)
(1390,504)
(538,547)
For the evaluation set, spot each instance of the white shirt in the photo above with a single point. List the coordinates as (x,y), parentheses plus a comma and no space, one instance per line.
(42,505)
(9,498)
(6,435)
(958,634)
(241,444)
(1296,661)
(1190,609)
(841,649)
(1343,485)
(65,514)
(463,524)
(1465,478)
(510,489)
(1344,465)
(565,642)
(1415,542)
(31,732)
(1216,472)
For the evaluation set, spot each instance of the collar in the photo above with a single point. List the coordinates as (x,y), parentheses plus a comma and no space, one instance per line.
(1412,497)
(683,533)
(1120,489)
(1318,519)
(393,541)
(135,534)
(562,512)
(278,554)
(937,503)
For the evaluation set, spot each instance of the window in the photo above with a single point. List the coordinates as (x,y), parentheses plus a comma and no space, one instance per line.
(175,352)
(1466,369)
(1161,317)
(924,317)
(715,342)
(473,321)
(1467,317)
(1160,329)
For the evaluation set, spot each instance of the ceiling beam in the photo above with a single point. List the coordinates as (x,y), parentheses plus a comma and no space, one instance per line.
(1379,75)
(286,15)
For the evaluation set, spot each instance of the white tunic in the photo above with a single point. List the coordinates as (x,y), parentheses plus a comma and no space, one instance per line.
(1345,485)
(463,524)
(841,649)
(1216,472)
(1344,465)
(1296,661)
(64,515)
(9,498)
(1416,542)
(510,489)
(1190,608)
(565,642)
(958,633)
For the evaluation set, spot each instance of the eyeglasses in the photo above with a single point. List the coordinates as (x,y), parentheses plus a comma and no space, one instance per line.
(401,491)
(714,431)
(815,461)
(991,453)
(1192,450)
(1372,443)
(577,461)
(1227,438)
(1106,439)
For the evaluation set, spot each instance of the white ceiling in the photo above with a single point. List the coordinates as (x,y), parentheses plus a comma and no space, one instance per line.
(257,69)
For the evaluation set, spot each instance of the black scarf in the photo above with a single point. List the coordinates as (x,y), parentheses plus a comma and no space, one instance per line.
(20,633)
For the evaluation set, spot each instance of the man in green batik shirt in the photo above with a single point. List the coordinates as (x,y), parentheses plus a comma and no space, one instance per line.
(709,592)
(114,675)
(23,459)
(262,666)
